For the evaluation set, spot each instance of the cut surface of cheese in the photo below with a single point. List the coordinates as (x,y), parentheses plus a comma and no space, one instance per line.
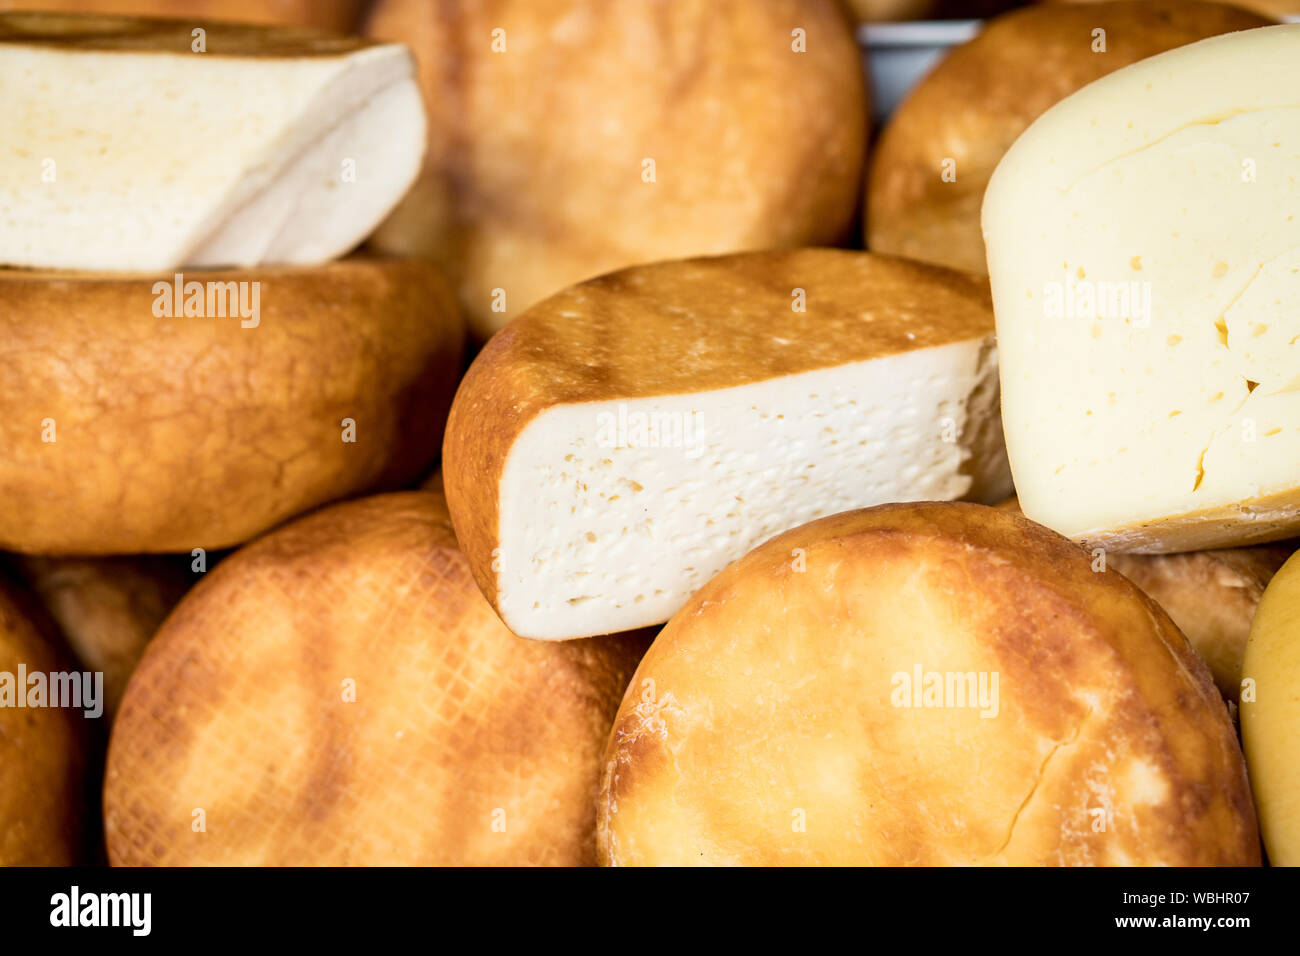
(922,684)
(127,150)
(1144,251)
(621,442)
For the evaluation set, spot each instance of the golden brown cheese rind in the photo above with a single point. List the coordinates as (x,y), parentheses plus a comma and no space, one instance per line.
(762,726)
(542,114)
(464,745)
(43,798)
(108,33)
(985,93)
(688,326)
(1210,595)
(1274,8)
(177,433)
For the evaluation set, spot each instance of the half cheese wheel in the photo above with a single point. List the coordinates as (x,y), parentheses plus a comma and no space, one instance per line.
(1144,251)
(936,154)
(934,684)
(44,801)
(339,693)
(135,423)
(617,445)
(197,143)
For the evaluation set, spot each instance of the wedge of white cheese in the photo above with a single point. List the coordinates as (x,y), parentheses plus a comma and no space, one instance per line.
(124,148)
(1144,251)
(618,444)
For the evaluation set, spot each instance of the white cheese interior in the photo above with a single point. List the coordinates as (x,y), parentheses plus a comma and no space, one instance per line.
(165,160)
(1178,178)
(602,531)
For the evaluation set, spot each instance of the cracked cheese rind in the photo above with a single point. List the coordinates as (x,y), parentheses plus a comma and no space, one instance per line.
(126,151)
(338,693)
(1163,414)
(618,444)
(126,431)
(768,723)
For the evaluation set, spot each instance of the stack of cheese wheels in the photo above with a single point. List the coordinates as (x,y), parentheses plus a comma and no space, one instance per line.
(43,805)
(923,684)
(1142,250)
(340,693)
(939,149)
(574,137)
(622,441)
(239,397)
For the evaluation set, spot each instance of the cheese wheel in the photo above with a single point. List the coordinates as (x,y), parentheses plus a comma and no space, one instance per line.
(1143,251)
(144,167)
(937,152)
(1270,714)
(618,444)
(931,684)
(130,426)
(1211,596)
(339,693)
(338,16)
(44,800)
(568,138)
(108,609)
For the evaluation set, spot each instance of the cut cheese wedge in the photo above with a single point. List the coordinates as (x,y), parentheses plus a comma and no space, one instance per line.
(621,442)
(1144,251)
(126,150)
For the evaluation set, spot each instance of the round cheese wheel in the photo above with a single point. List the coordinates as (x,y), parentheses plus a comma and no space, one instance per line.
(339,693)
(935,156)
(935,684)
(131,426)
(570,138)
